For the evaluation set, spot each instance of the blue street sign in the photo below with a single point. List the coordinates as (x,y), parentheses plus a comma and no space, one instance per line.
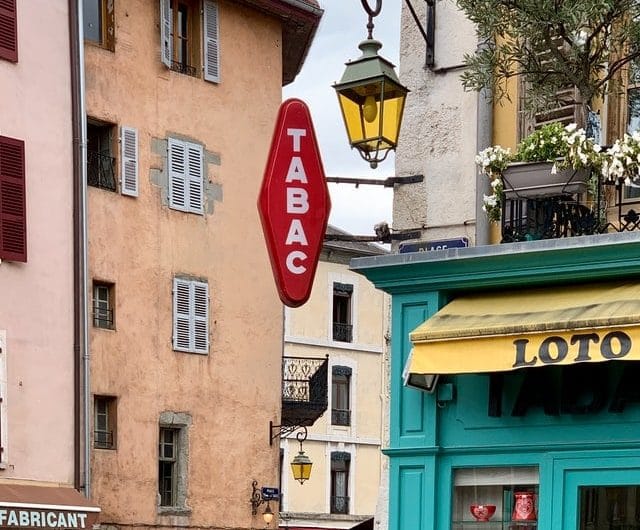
(439,244)
(270,494)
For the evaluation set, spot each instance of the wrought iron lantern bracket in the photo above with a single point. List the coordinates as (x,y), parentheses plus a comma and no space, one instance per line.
(283,431)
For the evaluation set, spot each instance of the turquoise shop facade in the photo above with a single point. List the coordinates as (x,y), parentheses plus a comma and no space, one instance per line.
(567,435)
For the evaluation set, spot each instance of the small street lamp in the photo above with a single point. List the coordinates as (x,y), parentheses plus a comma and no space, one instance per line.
(371,98)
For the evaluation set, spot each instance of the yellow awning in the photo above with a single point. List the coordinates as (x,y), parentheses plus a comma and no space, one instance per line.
(495,332)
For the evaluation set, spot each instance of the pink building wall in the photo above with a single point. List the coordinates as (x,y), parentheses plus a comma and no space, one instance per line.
(36,304)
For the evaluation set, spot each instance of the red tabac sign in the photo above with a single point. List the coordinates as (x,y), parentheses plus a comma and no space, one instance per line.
(294,203)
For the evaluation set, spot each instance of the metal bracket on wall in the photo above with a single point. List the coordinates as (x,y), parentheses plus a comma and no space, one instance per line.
(282,431)
(428,33)
(389,182)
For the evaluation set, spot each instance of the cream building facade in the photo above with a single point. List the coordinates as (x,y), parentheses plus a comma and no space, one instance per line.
(346,319)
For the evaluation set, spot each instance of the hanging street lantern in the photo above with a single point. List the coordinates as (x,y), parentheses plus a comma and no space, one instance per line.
(371,99)
(301,466)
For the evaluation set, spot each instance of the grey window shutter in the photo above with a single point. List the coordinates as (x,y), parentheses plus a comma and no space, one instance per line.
(176,162)
(181,315)
(166,44)
(194,177)
(129,161)
(200,317)
(211,42)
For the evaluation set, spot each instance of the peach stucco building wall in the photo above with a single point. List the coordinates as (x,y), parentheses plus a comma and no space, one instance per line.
(36,297)
(139,244)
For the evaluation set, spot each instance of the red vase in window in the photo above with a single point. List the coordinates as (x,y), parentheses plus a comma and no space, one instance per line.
(524,506)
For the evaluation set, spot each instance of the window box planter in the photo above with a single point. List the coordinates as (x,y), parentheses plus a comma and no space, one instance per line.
(534,179)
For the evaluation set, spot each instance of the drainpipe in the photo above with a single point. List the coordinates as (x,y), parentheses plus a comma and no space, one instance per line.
(484,138)
(80,332)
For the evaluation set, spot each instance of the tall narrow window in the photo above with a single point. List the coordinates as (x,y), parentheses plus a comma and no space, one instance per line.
(632,191)
(8,30)
(189,37)
(103,303)
(13,209)
(99,22)
(168,466)
(342,323)
(340,395)
(100,159)
(340,482)
(104,419)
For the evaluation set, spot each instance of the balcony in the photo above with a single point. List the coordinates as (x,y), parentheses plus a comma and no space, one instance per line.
(340,417)
(568,215)
(339,504)
(342,332)
(304,389)
(101,171)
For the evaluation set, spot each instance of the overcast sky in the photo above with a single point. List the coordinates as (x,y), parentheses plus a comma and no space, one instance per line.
(342,28)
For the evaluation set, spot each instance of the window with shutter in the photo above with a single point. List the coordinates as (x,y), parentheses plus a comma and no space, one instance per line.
(190,316)
(186,176)
(166,45)
(8,30)
(211,42)
(129,161)
(13,213)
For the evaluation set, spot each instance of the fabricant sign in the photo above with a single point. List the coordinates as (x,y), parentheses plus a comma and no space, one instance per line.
(294,203)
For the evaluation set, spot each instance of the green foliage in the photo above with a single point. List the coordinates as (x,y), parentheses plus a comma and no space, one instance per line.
(553,44)
(544,145)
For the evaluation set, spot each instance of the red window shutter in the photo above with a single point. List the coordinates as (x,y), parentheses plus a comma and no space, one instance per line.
(13,210)
(8,30)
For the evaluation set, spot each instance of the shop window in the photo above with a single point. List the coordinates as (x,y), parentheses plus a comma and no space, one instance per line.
(185,161)
(340,462)
(8,30)
(173,456)
(504,496)
(341,395)
(189,37)
(99,22)
(190,316)
(103,305)
(13,209)
(610,507)
(100,157)
(105,422)
(342,321)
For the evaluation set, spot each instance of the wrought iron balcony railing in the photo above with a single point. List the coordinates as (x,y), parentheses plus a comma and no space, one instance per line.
(102,318)
(101,171)
(103,439)
(339,504)
(183,68)
(340,417)
(304,389)
(528,219)
(342,332)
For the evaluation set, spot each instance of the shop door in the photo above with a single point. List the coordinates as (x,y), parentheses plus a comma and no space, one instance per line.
(602,499)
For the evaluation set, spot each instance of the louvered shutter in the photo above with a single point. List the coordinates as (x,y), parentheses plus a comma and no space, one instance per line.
(8,30)
(195,160)
(166,44)
(129,161)
(182,334)
(200,317)
(211,42)
(177,175)
(13,211)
